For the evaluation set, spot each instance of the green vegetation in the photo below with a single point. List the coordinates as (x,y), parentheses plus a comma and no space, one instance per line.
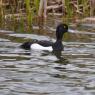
(36,4)
(23,13)
(29,13)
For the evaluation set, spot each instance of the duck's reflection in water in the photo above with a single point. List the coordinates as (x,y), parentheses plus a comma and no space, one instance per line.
(47,56)
(60,57)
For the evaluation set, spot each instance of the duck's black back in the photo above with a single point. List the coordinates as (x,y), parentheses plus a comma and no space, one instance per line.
(43,43)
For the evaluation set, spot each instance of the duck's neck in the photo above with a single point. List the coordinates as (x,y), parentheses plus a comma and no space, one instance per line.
(59,41)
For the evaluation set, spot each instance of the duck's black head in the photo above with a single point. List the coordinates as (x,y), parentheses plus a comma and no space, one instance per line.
(60,30)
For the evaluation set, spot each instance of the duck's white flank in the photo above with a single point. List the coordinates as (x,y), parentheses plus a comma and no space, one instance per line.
(39,47)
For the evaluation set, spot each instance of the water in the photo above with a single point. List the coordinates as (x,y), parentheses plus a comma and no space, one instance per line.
(32,72)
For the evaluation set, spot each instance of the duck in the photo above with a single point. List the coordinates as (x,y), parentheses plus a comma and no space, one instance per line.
(61,29)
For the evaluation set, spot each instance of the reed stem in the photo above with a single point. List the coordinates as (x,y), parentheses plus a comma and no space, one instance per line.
(29,14)
(1,13)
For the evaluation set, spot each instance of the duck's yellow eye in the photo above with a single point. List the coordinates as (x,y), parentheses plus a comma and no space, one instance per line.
(64,26)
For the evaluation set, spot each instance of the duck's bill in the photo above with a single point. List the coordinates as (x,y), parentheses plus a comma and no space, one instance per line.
(81,32)
(71,31)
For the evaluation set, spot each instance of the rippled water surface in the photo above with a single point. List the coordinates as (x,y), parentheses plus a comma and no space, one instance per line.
(32,72)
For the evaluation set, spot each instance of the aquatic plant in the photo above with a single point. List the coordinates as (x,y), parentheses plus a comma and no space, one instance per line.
(29,13)
(36,5)
(26,11)
(1,13)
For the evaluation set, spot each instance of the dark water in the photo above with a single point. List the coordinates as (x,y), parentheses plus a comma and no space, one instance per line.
(32,72)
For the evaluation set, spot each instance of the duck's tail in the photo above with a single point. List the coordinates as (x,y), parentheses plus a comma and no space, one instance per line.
(27,45)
